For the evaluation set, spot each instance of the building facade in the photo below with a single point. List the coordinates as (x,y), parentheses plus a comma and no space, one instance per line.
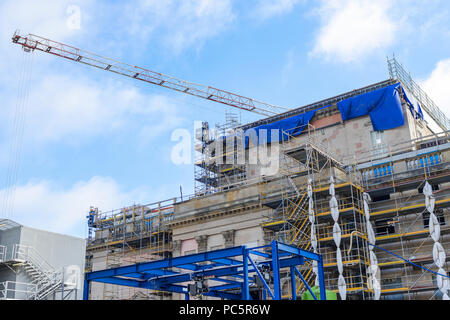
(361,179)
(39,265)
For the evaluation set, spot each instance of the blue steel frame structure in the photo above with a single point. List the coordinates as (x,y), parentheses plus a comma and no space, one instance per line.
(238,263)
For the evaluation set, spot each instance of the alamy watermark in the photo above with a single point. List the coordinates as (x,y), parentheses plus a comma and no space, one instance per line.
(73,21)
(230,147)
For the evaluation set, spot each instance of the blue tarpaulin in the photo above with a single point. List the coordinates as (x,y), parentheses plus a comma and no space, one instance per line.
(419,112)
(292,126)
(383,106)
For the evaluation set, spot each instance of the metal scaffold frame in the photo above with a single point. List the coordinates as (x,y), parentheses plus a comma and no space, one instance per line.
(400,220)
(289,222)
(128,236)
(398,72)
(249,268)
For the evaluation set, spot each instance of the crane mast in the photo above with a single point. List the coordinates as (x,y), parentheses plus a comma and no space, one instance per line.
(32,42)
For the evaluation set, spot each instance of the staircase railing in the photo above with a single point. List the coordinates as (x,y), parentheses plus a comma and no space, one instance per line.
(298,233)
(44,276)
(2,253)
(9,290)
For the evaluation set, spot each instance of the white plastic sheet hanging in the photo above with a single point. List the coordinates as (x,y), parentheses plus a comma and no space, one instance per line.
(309,188)
(373,259)
(370,235)
(337,235)
(430,202)
(427,189)
(366,201)
(311,214)
(334,208)
(442,284)
(435,228)
(340,265)
(342,286)
(376,289)
(332,191)
(439,256)
(374,270)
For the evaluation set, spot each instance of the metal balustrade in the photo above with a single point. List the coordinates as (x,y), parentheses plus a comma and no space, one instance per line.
(44,276)
(12,290)
(2,253)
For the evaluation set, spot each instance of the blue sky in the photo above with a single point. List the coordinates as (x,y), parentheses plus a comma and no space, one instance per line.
(94,138)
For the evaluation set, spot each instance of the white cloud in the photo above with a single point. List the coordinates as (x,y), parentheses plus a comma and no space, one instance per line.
(66,108)
(181,24)
(47,206)
(353,28)
(437,86)
(46,17)
(269,8)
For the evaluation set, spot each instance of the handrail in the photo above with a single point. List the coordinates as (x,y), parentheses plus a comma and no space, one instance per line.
(47,278)
(3,253)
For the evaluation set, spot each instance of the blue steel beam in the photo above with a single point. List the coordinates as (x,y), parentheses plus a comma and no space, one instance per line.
(245,287)
(225,280)
(276,271)
(261,277)
(86,289)
(121,282)
(293,284)
(168,263)
(226,286)
(305,283)
(299,252)
(262,254)
(224,271)
(227,261)
(160,279)
(323,294)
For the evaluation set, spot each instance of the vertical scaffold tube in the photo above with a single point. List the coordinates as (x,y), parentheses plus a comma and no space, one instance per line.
(312,220)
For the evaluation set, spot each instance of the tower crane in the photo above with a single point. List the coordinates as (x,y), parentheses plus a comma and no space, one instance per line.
(33,42)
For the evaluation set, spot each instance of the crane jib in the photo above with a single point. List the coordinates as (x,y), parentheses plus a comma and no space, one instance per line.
(33,42)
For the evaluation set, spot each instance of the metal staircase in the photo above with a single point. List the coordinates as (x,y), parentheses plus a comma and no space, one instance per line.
(297,231)
(45,279)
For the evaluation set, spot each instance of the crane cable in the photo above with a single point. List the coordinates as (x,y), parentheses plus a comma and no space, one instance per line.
(18,128)
(406,260)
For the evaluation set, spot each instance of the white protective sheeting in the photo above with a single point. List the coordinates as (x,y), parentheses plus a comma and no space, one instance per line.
(439,256)
(337,234)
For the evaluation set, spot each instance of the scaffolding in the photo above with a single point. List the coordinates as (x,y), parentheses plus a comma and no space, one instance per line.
(305,159)
(392,175)
(398,73)
(395,179)
(128,236)
(215,168)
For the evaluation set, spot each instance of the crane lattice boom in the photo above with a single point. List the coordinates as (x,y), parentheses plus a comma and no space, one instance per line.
(33,42)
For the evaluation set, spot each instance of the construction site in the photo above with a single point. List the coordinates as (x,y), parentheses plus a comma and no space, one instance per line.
(350,195)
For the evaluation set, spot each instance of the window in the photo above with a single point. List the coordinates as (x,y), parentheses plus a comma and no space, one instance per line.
(378,144)
(377,138)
